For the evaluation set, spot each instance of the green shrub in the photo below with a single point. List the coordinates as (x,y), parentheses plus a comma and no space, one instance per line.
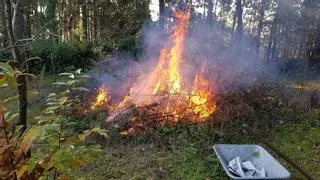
(5,55)
(128,44)
(58,56)
(107,47)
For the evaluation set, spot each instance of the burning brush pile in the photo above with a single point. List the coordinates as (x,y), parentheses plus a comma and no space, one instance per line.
(161,96)
(165,95)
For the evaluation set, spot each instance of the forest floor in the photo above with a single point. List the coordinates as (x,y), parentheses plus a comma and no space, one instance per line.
(186,152)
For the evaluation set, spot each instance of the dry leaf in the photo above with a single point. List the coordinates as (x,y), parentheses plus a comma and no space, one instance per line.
(79,162)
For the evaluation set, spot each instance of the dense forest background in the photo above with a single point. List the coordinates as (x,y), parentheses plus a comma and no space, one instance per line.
(276,29)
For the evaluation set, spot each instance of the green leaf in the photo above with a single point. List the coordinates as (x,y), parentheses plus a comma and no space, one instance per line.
(9,73)
(63,100)
(65,92)
(53,99)
(256,154)
(71,76)
(34,58)
(17,130)
(9,116)
(52,95)
(100,131)
(3,79)
(4,85)
(78,71)
(11,98)
(84,76)
(52,103)
(44,119)
(81,89)
(82,137)
(61,83)
(28,138)
(65,74)
(50,110)
(50,128)
(71,82)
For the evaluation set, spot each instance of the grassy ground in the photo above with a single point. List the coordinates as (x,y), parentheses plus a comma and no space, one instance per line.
(195,159)
(301,142)
(186,152)
(180,156)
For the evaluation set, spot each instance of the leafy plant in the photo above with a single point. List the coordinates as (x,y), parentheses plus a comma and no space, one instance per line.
(56,129)
(50,147)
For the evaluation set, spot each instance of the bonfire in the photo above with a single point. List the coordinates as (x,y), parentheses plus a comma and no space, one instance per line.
(162,96)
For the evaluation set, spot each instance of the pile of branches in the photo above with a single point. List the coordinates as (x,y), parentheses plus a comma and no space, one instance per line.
(259,107)
(133,119)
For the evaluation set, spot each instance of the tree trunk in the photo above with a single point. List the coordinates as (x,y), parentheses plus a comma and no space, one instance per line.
(22,101)
(19,22)
(29,7)
(317,45)
(51,11)
(95,24)
(204,11)
(271,52)
(85,20)
(233,26)
(260,26)
(274,49)
(210,12)
(239,30)
(9,27)
(2,26)
(161,10)
(215,8)
(11,14)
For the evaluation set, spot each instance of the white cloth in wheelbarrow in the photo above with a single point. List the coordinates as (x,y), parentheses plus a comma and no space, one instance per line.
(245,169)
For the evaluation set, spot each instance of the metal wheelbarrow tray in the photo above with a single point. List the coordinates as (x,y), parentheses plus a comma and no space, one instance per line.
(254,153)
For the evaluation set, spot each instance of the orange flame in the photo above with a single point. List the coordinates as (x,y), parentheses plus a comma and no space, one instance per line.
(101,99)
(177,50)
(201,95)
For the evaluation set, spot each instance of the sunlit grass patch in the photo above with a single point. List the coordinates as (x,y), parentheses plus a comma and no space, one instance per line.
(301,142)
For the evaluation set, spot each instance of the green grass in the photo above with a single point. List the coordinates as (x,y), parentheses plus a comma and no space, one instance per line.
(149,161)
(301,142)
(189,154)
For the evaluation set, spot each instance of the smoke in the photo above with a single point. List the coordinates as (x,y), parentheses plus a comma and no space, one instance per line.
(228,65)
